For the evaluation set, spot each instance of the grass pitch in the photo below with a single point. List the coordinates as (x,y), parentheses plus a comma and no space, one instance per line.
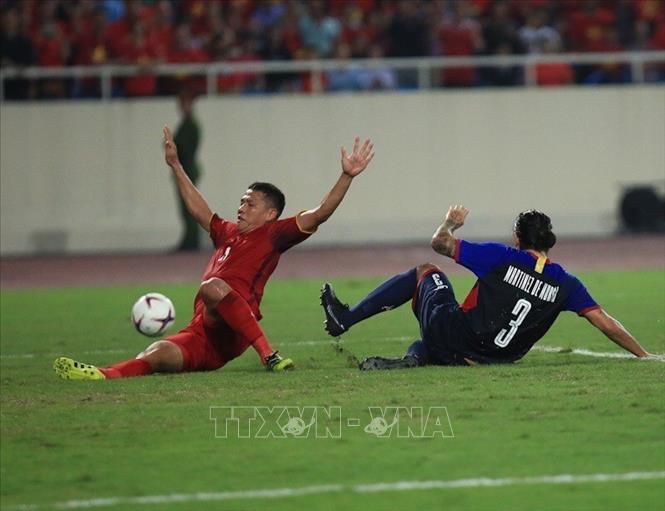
(550,414)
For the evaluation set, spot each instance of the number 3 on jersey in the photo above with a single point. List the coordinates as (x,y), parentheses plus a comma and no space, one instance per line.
(521,309)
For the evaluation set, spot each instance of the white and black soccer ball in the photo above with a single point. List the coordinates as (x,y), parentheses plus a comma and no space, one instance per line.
(153,314)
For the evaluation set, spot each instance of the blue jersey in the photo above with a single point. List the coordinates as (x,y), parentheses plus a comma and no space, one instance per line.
(515,300)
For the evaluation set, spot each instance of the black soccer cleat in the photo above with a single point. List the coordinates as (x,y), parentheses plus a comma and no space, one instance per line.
(333,310)
(379,363)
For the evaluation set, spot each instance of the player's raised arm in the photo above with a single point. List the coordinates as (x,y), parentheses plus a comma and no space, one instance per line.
(196,204)
(443,241)
(615,331)
(352,165)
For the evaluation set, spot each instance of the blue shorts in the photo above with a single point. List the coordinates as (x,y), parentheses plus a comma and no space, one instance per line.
(438,313)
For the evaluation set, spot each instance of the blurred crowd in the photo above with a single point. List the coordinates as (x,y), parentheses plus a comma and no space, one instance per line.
(58,33)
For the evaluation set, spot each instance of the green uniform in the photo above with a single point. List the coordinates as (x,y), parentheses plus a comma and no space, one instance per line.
(187,137)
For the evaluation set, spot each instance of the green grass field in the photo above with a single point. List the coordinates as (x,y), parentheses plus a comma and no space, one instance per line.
(551,414)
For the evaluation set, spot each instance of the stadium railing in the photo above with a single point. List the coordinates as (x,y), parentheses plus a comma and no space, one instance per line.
(423,68)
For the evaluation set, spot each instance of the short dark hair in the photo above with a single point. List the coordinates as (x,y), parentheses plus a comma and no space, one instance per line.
(533,229)
(273,195)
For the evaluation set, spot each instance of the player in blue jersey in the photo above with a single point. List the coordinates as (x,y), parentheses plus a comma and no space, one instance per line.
(518,296)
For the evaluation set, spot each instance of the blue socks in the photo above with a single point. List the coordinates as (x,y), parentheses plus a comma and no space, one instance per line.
(419,350)
(392,293)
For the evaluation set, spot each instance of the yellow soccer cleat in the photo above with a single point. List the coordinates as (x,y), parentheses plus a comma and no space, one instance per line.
(275,362)
(69,369)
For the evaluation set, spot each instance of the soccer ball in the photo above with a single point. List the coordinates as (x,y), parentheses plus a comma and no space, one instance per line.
(153,314)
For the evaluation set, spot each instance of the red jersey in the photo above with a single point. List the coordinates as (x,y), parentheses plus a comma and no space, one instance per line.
(245,261)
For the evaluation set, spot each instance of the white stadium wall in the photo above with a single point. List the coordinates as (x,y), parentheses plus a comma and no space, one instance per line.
(89,176)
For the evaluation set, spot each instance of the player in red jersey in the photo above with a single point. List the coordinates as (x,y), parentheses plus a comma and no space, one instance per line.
(226,307)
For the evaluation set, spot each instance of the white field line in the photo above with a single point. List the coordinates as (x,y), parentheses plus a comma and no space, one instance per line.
(50,355)
(319,342)
(586,353)
(482,482)
(313,342)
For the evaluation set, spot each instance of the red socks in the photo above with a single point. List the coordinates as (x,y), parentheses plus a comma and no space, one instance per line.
(131,367)
(263,348)
(237,314)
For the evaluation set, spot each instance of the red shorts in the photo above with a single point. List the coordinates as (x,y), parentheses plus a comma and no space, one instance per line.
(205,347)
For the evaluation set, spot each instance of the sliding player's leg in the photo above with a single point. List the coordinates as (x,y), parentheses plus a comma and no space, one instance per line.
(225,304)
(419,351)
(392,293)
(160,356)
(433,290)
(417,355)
(437,310)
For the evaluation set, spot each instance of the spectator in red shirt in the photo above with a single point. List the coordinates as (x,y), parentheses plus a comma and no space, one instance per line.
(88,40)
(82,38)
(650,10)
(99,54)
(138,51)
(354,25)
(52,46)
(199,13)
(587,24)
(52,51)
(119,32)
(553,73)
(460,36)
(185,50)
(237,51)
(291,32)
(160,30)
(657,40)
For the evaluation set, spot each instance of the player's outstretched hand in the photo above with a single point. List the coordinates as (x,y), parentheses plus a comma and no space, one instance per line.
(170,149)
(456,216)
(354,163)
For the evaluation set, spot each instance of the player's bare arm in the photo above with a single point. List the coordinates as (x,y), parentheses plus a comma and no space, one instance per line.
(196,204)
(615,331)
(352,165)
(443,241)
